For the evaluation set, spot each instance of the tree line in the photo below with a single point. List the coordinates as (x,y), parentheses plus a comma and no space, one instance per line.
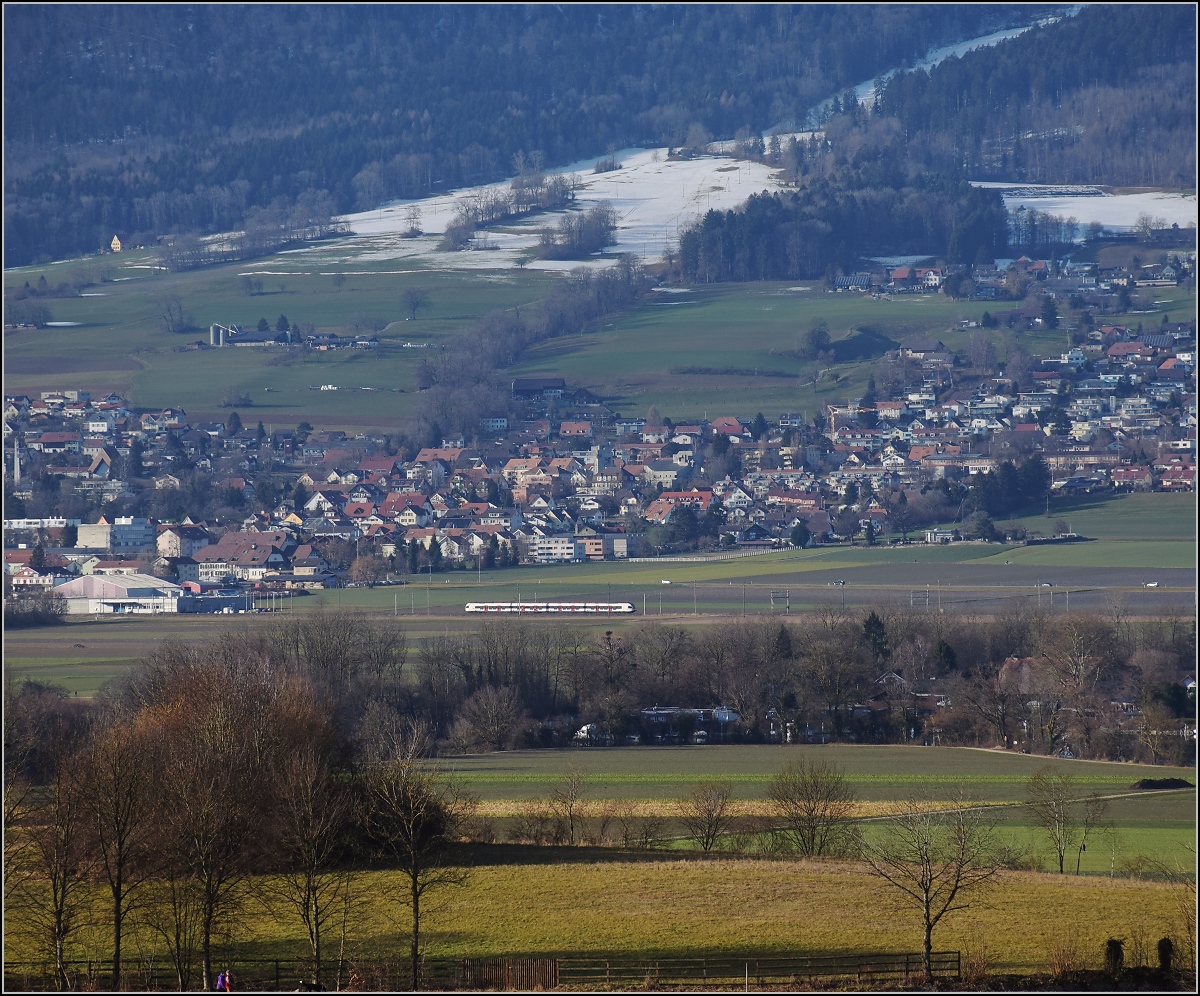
(836,217)
(1105,96)
(125,120)
(464,380)
(271,764)
(211,765)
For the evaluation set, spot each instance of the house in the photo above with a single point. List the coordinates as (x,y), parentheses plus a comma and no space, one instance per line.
(181,541)
(538,387)
(1132,478)
(922,348)
(115,244)
(575,430)
(726,425)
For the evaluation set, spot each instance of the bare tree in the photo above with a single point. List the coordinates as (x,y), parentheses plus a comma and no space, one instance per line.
(19,800)
(1051,796)
(415,299)
(1155,730)
(934,859)
(56,896)
(1080,654)
(313,812)
(172,908)
(1066,818)
(705,813)
(172,316)
(566,804)
(415,816)
(491,720)
(118,810)
(813,805)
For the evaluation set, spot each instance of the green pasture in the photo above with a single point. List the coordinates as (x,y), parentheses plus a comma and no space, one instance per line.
(120,345)
(1126,517)
(1151,554)
(751,328)
(876,773)
(744,335)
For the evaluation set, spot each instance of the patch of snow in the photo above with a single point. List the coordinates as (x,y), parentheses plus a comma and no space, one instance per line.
(900,260)
(866,91)
(567,265)
(655,198)
(62,325)
(672,290)
(92,294)
(1118,212)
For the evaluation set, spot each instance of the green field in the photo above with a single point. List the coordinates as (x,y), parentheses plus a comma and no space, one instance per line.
(1129,517)
(754,327)
(877,773)
(119,344)
(749,330)
(598,900)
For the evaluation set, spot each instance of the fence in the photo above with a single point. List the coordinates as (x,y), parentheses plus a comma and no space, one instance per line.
(759,972)
(737,555)
(507,974)
(143,974)
(525,974)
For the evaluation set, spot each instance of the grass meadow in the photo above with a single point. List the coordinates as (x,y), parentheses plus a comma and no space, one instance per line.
(120,345)
(747,332)
(675,901)
(664,905)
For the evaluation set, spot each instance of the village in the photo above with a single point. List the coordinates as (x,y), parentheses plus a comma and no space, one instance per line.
(100,490)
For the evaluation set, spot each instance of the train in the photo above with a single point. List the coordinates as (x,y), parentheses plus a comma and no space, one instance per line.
(552,608)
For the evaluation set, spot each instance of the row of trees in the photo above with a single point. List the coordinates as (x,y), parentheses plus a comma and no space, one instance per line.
(464,380)
(835,219)
(209,768)
(1022,677)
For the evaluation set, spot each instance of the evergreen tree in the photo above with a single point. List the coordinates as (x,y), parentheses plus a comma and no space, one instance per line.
(800,535)
(876,638)
(783,643)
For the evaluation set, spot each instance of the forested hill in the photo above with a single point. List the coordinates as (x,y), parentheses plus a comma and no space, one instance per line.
(154,118)
(1107,96)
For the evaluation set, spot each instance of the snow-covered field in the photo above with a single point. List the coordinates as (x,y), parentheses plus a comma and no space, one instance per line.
(1118,212)
(654,198)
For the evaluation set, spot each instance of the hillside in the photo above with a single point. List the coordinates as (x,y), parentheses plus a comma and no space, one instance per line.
(150,120)
(1107,96)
